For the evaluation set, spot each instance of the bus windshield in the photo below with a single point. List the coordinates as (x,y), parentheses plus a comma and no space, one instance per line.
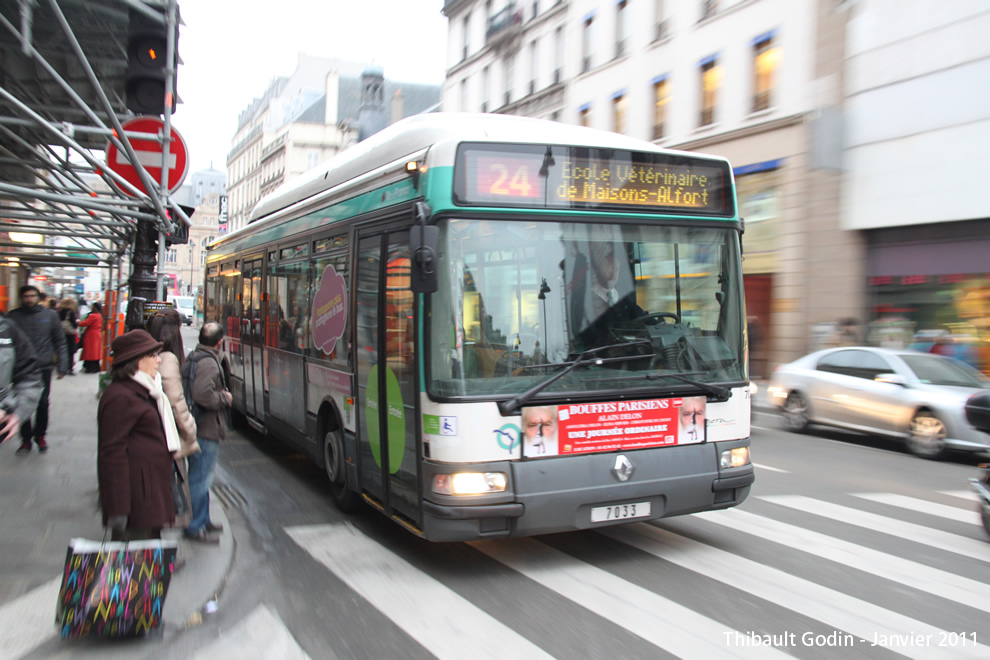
(518,301)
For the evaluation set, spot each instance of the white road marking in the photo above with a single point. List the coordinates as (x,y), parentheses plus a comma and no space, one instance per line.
(771,469)
(445,623)
(935,538)
(259,636)
(964,494)
(29,620)
(924,506)
(845,613)
(666,624)
(891,567)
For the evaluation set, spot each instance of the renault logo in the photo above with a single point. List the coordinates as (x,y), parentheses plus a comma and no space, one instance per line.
(623,468)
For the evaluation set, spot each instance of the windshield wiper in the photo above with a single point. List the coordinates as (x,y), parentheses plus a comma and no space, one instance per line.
(512,406)
(720,393)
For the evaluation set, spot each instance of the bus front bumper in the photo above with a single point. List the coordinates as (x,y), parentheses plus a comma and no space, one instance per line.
(672,480)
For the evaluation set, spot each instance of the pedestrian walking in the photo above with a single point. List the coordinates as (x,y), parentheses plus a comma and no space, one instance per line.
(212,401)
(166,327)
(137,438)
(44,330)
(92,339)
(69,317)
(20,378)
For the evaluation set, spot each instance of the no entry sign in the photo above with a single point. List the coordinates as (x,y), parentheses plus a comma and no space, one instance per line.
(149,155)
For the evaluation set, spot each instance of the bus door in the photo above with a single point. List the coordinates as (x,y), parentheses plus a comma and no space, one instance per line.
(389,455)
(252,340)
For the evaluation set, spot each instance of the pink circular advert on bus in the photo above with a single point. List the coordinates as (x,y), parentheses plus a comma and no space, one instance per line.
(329,310)
(612,425)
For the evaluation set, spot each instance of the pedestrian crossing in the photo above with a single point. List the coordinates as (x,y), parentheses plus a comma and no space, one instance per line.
(908,606)
(879,574)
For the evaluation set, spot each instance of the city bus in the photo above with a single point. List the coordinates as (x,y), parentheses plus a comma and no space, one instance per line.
(490,326)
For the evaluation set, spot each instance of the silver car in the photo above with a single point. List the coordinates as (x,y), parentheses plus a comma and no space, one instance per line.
(919,397)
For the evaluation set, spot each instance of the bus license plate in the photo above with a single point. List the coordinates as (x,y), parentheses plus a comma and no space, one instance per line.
(620,512)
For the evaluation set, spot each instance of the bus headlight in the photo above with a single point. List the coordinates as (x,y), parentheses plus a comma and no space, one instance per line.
(470,483)
(737,457)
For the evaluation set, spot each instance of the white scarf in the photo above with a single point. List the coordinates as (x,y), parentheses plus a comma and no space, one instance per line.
(164,407)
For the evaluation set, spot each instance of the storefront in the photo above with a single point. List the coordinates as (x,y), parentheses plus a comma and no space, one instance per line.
(929,288)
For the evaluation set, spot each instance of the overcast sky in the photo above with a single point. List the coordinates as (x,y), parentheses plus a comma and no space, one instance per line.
(231,50)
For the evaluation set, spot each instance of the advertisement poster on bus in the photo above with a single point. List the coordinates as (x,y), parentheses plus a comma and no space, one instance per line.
(329,310)
(612,426)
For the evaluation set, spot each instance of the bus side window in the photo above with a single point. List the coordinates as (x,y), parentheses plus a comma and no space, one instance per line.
(341,349)
(292,291)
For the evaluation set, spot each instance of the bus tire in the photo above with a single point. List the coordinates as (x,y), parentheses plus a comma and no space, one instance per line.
(335,465)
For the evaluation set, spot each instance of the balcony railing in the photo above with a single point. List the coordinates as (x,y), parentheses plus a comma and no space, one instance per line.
(761,101)
(662,30)
(505,24)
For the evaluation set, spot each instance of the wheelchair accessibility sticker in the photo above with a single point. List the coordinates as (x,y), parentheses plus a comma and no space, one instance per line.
(440,424)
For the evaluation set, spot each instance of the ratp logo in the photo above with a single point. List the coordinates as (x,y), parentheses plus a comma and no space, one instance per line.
(507,437)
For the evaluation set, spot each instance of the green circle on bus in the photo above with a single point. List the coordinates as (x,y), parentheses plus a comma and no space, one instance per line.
(396,419)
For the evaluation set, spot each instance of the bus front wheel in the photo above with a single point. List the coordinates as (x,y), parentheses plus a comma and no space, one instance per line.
(335,463)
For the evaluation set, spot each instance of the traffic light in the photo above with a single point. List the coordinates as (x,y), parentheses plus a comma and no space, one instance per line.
(147,65)
(181,234)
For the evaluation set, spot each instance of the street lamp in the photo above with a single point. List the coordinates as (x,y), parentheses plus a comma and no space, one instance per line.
(192,252)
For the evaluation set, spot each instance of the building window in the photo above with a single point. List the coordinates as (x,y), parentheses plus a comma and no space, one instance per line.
(766,59)
(621,28)
(661,29)
(467,36)
(171,256)
(312,158)
(464,95)
(486,75)
(510,73)
(619,109)
(558,55)
(533,66)
(536,8)
(584,115)
(711,80)
(661,97)
(587,43)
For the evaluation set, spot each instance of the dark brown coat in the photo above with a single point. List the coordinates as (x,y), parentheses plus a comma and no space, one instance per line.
(134,465)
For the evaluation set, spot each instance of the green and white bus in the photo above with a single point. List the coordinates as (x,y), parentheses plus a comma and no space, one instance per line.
(489,326)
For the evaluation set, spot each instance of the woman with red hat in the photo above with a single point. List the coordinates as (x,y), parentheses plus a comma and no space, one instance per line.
(137,437)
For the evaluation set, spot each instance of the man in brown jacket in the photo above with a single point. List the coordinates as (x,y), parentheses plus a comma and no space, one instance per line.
(212,399)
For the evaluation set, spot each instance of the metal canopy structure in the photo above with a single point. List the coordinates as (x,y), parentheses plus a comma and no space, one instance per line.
(63,69)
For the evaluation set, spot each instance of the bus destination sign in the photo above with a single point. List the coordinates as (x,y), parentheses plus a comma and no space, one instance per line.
(558,177)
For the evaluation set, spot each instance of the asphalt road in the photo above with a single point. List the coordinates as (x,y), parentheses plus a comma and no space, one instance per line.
(847,545)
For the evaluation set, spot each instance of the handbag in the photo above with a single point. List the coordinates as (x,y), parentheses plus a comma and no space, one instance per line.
(115,588)
(67,327)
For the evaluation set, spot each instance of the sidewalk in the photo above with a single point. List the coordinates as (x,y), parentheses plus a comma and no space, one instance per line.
(48,499)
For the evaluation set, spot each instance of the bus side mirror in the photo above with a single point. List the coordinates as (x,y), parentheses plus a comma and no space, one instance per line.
(423,244)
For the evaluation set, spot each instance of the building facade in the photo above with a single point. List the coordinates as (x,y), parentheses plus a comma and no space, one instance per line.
(305,119)
(184,265)
(917,112)
(756,81)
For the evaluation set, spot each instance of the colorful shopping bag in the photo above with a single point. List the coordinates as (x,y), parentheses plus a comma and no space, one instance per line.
(114,589)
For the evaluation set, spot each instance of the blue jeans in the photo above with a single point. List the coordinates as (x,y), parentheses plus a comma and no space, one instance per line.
(201,468)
